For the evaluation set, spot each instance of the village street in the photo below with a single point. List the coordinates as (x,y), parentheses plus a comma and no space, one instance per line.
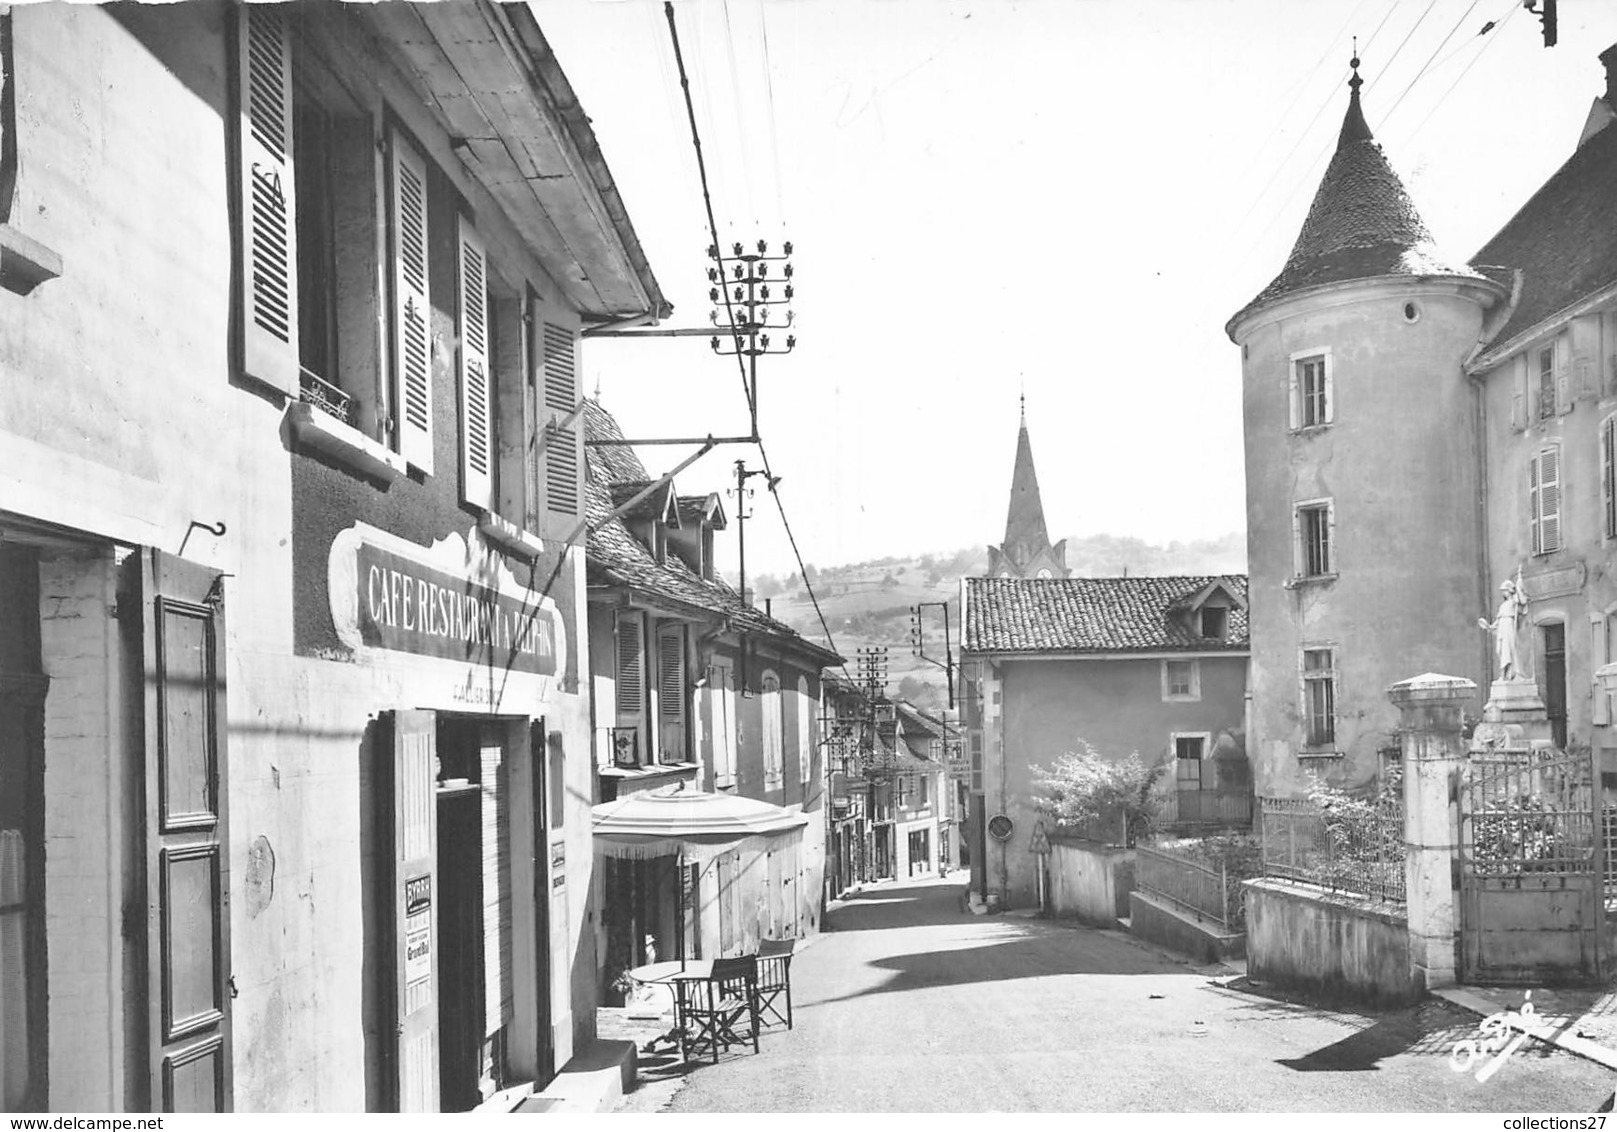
(911,1004)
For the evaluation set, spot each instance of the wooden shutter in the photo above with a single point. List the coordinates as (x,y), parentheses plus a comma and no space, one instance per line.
(1518,411)
(1588,379)
(409,849)
(1295,393)
(631,671)
(561,466)
(496,868)
(1330,388)
(1549,500)
(186,839)
(1608,477)
(476,394)
(671,692)
(266,210)
(1600,705)
(412,314)
(1563,378)
(805,731)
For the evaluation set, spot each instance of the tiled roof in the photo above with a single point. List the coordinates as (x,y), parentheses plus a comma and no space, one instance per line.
(616,557)
(1564,239)
(1093,615)
(1362,224)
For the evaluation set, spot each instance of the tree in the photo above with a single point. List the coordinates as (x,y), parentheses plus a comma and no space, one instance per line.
(1086,790)
(767,585)
(810,574)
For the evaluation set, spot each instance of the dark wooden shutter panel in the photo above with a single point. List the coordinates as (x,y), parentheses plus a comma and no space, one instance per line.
(671,693)
(267,209)
(631,687)
(563,458)
(409,806)
(476,394)
(412,330)
(186,838)
(1533,502)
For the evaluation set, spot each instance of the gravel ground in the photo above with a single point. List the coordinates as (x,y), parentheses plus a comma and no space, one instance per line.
(910,1004)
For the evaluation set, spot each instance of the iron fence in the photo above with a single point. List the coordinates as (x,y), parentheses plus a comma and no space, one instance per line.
(1530,811)
(1201,887)
(1355,845)
(1608,830)
(1208,807)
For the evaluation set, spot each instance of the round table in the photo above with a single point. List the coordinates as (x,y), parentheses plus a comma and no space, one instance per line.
(672,970)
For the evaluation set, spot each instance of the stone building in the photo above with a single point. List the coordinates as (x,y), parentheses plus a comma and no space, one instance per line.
(294,741)
(1149,665)
(1419,430)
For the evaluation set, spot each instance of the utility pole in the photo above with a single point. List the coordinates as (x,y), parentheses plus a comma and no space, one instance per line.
(918,642)
(1545,11)
(741,285)
(742,494)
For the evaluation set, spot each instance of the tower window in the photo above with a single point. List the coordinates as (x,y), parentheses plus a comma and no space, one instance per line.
(1311,389)
(1319,698)
(1316,538)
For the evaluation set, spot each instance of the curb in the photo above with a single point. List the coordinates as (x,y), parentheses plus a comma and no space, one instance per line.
(1554,1035)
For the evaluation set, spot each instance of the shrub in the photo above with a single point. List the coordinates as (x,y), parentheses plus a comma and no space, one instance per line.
(1086,790)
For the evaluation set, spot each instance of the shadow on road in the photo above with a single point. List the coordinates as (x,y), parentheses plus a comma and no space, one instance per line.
(900,905)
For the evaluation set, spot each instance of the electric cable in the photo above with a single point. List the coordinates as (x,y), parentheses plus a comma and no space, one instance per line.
(1492,26)
(1444,43)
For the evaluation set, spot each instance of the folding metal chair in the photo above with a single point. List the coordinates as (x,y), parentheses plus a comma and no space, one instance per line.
(717,1007)
(775,981)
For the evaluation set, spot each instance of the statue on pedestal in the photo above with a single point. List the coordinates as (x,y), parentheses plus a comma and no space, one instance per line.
(1504,625)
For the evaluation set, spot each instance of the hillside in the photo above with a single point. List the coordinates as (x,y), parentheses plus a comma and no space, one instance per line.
(867,604)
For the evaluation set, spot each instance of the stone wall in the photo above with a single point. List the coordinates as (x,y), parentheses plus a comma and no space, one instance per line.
(1089,881)
(1328,944)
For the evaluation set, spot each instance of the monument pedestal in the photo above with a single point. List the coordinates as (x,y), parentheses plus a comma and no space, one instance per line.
(1514,714)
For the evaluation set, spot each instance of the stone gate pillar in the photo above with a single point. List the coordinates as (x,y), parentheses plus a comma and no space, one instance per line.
(1430,723)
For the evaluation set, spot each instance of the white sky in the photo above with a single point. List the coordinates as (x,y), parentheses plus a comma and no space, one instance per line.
(1067,195)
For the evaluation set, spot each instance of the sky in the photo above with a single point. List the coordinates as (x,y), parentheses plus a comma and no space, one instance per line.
(1065,199)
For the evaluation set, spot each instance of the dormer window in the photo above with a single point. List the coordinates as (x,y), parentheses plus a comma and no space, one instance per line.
(1215,622)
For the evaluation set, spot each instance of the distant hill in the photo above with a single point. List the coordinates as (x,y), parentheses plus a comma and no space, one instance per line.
(867,604)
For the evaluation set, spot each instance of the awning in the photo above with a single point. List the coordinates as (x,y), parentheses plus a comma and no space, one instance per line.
(696,825)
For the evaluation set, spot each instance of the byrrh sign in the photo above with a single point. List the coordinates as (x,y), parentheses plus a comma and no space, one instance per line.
(455,600)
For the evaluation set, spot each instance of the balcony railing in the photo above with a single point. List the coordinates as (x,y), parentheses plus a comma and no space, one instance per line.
(315,390)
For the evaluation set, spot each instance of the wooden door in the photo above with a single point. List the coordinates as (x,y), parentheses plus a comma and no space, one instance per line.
(539,756)
(187,876)
(408,802)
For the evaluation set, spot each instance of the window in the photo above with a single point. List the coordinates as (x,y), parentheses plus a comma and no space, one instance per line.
(1608,477)
(1319,698)
(1310,390)
(774,729)
(1546,382)
(1214,622)
(307,208)
(1315,525)
(1188,751)
(629,688)
(1181,680)
(1544,499)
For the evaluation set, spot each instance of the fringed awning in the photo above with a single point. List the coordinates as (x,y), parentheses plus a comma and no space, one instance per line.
(699,826)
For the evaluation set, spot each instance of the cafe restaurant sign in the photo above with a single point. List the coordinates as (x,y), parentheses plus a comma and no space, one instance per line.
(455,600)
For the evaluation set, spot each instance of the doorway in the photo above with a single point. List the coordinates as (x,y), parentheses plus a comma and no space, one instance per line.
(1554,690)
(474,921)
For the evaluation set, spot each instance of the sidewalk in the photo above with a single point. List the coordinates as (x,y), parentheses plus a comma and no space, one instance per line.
(1580,1020)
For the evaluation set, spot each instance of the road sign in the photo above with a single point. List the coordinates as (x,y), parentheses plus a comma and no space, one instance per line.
(1041,841)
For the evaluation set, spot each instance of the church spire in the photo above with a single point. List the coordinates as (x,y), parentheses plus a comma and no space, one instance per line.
(1026,551)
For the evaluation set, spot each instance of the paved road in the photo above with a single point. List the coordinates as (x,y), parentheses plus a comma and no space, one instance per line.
(910,1004)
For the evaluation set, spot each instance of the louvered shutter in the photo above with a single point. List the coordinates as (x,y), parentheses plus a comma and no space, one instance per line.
(476,395)
(1588,379)
(267,212)
(1608,477)
(1532,502)
(1600,704)
(562,464)
(412,331)
(805,730)
(1563,379)
(671,693)
(631,682)
(1549,500)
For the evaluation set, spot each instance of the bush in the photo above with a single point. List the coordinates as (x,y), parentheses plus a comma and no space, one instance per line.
(1086,790)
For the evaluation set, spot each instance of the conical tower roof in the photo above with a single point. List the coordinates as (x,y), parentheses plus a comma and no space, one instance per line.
(1362,224)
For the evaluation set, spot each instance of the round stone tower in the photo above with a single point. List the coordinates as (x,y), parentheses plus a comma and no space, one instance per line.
(1362,481)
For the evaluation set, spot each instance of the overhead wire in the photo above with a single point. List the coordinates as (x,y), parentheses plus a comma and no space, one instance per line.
(707,202)
(1442,44)
(1492,26)
(1386,68)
